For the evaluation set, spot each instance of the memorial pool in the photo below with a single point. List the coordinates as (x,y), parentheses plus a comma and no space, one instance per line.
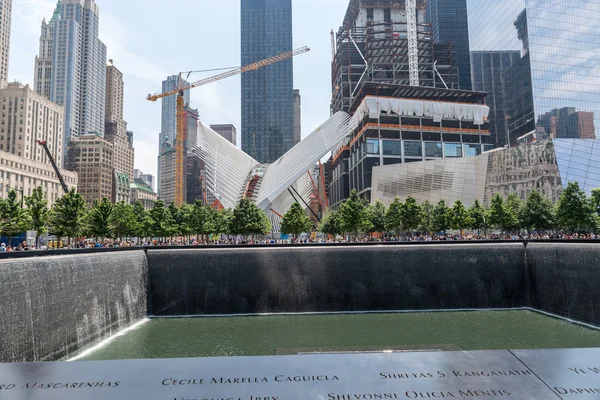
(292,334)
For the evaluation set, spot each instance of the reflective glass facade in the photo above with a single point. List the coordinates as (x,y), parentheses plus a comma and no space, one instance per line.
(267,93)
(449,24)
(553,90)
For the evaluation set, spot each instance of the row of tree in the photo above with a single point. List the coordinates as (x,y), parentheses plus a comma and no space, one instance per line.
(71,218)
(574,212)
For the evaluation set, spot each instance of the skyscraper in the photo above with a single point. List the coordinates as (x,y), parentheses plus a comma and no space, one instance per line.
(267,93)
(5,21)
(70,47)
(489,73)
(297,117)
(558,64)
(449,25)
(115,125)
(228,131)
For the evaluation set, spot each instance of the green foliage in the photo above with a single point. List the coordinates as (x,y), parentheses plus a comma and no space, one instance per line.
(182,217)
(496,212)
(248,219)
(377,217)
(123,221)
(222,221)
(68,216)
(478,217)
(574,212)
(142,221)
(98,219)
(203,219)
(295,221)
(460,218)
(331,224)
(393,217)
(537,213)
(161,224)
(355,215)
(37,206)
(595,201)
(14,220)
(411,215)
(427,220)
(442,219)
(512,211)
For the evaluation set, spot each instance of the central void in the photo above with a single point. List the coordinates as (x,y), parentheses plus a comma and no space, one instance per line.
(293,334)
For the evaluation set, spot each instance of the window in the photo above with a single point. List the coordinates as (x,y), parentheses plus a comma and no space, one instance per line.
(453,150)
(413,149)
(372,146)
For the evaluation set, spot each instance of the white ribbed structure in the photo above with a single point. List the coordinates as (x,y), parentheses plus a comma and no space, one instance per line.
(227,167)
(301,158)
(374,106)
(285,200)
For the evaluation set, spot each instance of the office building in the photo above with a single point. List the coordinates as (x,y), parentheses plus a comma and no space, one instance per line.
(169,109)
(267,93)
(227,131)
(24,175)
(147,179)
(5,24)
(144,194)
(566,123)
(378,30)
(77,68)
(121,190)
(557,68)
(115,126)
(546,166)
(166,179)
(449,25)
(92,158)
(489,73)
(28,118)
(297,117)
(191,133)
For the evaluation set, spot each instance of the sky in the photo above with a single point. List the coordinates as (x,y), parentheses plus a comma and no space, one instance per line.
(152,39)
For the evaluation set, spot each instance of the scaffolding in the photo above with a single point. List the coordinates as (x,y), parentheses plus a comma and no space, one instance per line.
(374,47)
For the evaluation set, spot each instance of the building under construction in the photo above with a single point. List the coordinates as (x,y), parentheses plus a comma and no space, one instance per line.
(372,53)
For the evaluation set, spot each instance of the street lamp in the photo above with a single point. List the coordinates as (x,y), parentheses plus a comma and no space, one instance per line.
(16,190)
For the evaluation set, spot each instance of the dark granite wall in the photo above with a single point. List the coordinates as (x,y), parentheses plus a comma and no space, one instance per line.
(51,306)
(321,279)
(565,280)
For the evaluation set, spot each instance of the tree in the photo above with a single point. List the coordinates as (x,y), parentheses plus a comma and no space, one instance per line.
(122,221)
(496,212)
(441,217)
(427,220)
(248,219)
(98,220)
(595,202)
(203,219)
(331,224)
(222,221)
(512,210)
(142,221)
(460,218)
(411,215)
(537,213)
(182,219)
(574,212)
(393,217)
(161,224)
(478,217)
(37,206)
(354,214)
(377,217)
(295,221)
(14,220)
(68,216)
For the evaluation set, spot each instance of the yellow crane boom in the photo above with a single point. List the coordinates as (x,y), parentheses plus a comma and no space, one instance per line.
(181,116)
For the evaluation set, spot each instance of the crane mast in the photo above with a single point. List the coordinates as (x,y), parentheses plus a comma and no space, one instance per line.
(181,115)
(413,46)
(56,170)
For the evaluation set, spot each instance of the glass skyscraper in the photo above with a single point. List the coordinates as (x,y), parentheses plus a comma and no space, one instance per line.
(449,24)
(267,93)
(553,89)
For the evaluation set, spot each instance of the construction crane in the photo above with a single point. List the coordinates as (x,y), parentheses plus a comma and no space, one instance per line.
(181,119)
(58,174)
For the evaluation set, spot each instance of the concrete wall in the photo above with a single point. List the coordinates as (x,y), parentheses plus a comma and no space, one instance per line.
(321,279)
(51,306)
